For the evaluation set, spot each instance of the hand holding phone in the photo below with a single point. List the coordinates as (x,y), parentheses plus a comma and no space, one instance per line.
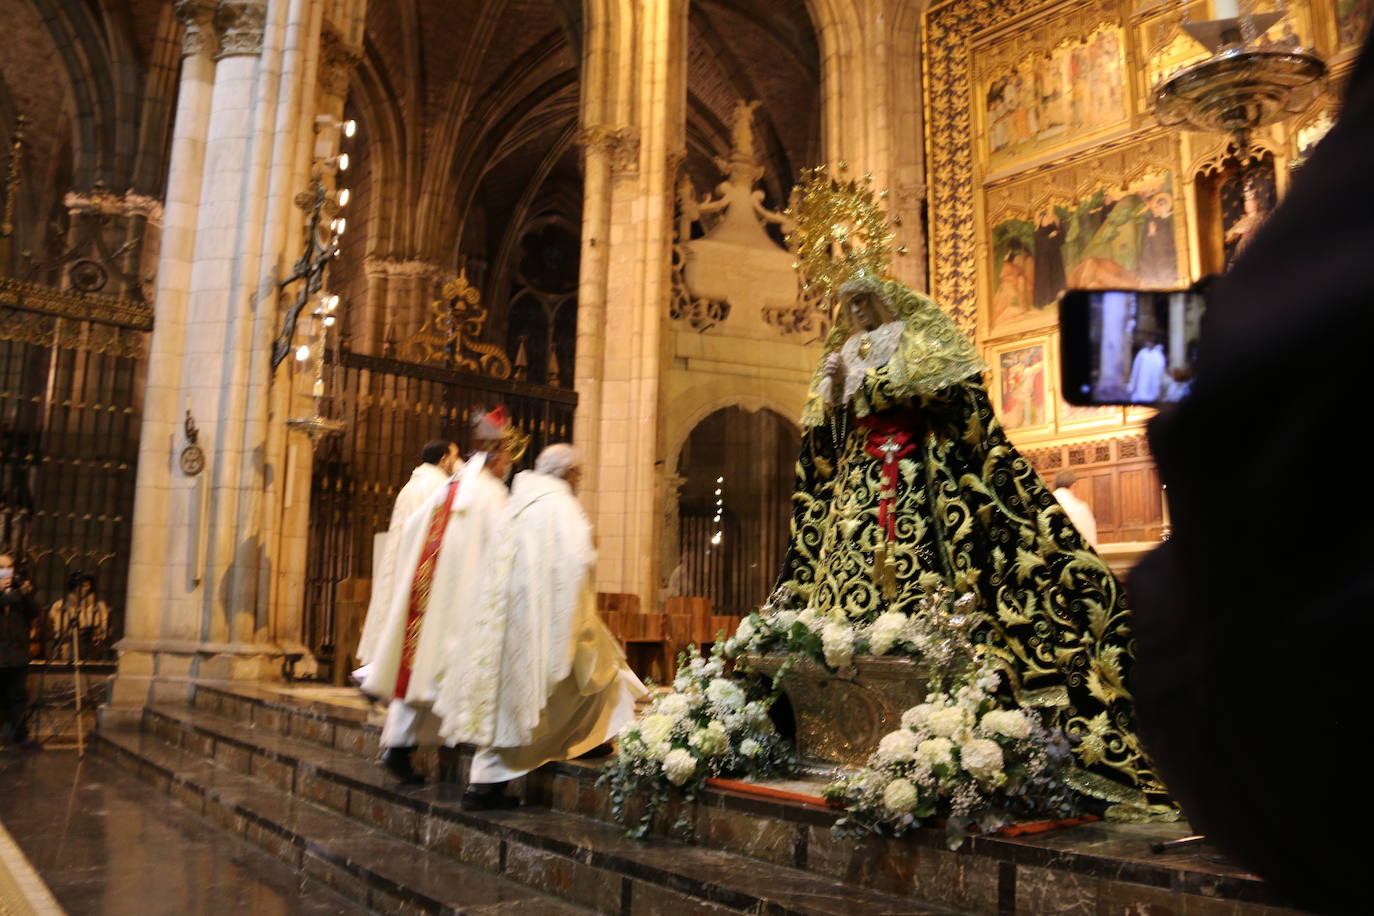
(1132,347)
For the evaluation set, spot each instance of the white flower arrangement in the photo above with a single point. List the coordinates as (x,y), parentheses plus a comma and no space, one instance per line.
(709,727)
(964,756)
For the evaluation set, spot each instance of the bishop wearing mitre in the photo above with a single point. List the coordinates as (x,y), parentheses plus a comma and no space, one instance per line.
(535,675)
(441,566)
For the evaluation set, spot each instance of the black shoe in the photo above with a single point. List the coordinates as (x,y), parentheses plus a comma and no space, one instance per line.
(397,762)
(488,797)
(605,749)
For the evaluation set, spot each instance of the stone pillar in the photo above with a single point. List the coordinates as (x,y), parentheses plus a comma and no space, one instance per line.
(199,595)
(633,128)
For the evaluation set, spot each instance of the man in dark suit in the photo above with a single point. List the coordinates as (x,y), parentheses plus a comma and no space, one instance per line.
(1250,622)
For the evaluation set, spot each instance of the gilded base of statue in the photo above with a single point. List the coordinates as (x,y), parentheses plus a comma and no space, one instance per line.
(841,717)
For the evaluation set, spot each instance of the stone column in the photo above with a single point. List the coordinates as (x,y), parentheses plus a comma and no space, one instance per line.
(199,593)
(633,128)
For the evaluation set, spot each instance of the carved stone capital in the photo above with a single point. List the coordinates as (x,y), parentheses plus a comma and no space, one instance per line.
(338,60)
(240,25)
(399,268)
(198,19)
(101,200)
(618,144)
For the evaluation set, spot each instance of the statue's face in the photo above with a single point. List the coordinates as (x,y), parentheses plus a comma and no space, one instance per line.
(863,311)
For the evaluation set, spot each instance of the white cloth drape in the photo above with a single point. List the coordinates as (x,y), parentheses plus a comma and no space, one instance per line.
(424,480)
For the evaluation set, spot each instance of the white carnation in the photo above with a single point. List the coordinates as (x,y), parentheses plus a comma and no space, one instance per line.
(935,751)
(900,796)
(679,766)
(837,641)
(675,705)
(897,746)
(885,632)
(724,693)
(1010,722)
(659,750)
(750,748)
(917,716)
(656,728)
(982,758)
(950,722)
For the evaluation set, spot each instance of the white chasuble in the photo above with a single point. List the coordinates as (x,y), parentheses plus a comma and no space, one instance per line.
(428,612)
(537,675)
(424,480)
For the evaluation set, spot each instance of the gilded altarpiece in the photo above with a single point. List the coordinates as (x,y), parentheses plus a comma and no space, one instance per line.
(1048,170)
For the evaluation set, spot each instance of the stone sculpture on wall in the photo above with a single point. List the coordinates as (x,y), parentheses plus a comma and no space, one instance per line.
(735,279)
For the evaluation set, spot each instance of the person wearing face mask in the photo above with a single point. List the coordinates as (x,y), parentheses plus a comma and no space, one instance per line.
(909,491)
(18,611)
(535,675)
(442,562)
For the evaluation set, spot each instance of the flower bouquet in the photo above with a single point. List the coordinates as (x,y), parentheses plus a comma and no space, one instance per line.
(963,755)
(711,726)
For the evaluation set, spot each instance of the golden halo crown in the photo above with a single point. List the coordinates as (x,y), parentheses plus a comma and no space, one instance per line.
(840,231)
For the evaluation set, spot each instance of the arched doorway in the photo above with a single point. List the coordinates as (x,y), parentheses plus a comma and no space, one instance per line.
(735,507)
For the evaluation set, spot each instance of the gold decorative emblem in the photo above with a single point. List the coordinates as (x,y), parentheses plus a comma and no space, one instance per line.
(840,231)
(450,335)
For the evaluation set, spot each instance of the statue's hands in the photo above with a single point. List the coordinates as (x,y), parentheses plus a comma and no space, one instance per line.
(835,369)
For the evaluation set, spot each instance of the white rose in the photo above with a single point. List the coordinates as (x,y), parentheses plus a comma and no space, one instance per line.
(679,765)
(745,631)
(899,797)
(725,694)
(659,750)
(949,722)
(675,705)
(885,632)
(897,746)
(935,751)
(783,620)
(837,641)
(982,758)
(750,748)
(656,728)
(1010,722)
(811,619)
(917,716)
(710,740)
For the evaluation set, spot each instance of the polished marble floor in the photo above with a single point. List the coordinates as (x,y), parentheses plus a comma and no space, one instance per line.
(107,845)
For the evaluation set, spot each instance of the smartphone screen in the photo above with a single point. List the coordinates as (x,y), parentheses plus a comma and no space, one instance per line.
(1128,346)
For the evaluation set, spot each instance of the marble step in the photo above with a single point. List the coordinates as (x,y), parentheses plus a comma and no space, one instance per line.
(575,858)
(991,875)
(366,866)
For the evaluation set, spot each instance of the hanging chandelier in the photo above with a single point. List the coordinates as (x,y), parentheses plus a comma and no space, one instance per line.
(1245,83)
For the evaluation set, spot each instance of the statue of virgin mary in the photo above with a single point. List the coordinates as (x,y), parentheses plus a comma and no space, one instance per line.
(907,486)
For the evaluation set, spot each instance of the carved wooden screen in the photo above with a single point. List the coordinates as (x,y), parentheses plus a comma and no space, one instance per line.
(392,408)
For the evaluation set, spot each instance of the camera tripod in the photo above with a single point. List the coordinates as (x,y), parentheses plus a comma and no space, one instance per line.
(69,637)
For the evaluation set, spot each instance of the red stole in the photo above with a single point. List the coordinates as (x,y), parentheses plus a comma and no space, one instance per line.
(419,589)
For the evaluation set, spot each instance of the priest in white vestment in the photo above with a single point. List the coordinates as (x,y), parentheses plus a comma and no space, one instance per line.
(1147,374)
(442,560)
(438,461)
(536,675)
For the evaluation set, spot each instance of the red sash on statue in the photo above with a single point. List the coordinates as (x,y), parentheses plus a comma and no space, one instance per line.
(419,589)
(890,437)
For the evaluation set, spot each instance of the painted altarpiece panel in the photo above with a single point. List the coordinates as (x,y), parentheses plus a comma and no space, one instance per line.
(1104,221)
(1023,386)
(1057,81)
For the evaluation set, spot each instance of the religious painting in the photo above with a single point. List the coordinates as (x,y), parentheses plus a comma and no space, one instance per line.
(1109,222)
(1166,47)
(1022,382)
(1058,82)
(1352,21)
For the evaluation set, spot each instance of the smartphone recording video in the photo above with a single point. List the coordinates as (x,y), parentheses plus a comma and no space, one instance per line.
(1128,346)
